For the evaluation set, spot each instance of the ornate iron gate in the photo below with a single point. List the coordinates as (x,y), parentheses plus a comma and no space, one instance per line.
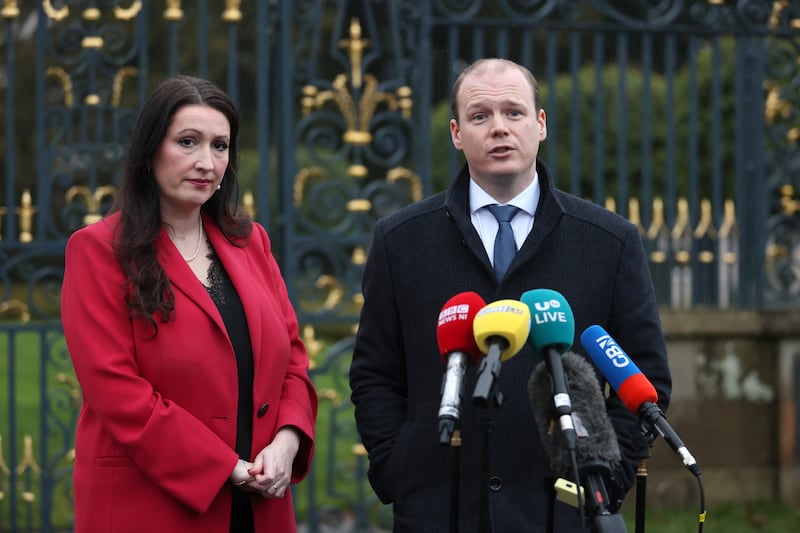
(680,115)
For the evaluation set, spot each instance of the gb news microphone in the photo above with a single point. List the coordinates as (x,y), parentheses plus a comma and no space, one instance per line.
(633,388)
(552,332)
(597,451)
(458,349)
(500,329)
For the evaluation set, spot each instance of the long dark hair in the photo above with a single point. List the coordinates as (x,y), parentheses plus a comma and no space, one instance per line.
(149,291)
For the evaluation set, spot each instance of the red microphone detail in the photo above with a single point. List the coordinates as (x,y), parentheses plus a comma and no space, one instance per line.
(454,328)
(458,349)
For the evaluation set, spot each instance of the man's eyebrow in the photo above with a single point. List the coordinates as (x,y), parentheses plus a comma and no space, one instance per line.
(513,102)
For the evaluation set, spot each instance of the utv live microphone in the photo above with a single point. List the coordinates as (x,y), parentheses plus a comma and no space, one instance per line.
(500,329)
(633,388)
(597,449)
(458,349)
(552,333)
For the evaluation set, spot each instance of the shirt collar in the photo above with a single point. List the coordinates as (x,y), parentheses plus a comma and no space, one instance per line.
(527,200)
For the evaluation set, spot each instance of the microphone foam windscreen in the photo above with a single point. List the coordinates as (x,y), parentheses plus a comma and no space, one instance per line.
(596,438)
(552,322)
(454,327)
(508,319)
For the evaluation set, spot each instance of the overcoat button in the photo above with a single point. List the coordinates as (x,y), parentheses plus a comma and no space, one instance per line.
(495,483)
(263,409)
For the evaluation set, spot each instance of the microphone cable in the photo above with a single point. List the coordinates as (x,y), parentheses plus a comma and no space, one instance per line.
(701,519)
(639,396)
(573,455)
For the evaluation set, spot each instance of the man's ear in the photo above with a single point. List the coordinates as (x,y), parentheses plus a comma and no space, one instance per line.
(455,133)
(542,119)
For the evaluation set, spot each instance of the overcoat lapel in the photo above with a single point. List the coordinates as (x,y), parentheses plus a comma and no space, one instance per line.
(236,262)
(457,205)
(548,215)
(183,279)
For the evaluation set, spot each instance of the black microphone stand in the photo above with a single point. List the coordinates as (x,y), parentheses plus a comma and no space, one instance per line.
(593,472)
(551,504)
(455,479)
(486,398)
(642,445)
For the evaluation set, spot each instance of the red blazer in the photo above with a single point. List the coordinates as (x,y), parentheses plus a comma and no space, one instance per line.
(157,428)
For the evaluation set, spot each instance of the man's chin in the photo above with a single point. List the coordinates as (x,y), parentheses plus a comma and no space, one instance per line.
(508,173)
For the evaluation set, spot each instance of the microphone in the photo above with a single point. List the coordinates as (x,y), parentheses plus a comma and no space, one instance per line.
(597,450)
(596,438)
(458,349)
(500,329)
(551,334)
(633,388)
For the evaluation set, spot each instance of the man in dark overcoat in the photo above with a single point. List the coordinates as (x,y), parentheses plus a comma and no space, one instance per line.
(425,254)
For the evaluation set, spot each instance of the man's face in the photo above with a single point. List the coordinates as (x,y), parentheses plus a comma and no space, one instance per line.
(498,127)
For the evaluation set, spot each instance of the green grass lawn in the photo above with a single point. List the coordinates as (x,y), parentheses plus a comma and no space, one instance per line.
(765,517)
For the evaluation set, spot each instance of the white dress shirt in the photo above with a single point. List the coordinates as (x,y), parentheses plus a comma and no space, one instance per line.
(486,224)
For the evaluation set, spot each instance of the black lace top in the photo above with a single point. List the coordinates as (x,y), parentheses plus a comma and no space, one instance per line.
(229,304)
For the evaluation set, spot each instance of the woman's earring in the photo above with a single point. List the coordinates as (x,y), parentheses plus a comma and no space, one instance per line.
(218,187)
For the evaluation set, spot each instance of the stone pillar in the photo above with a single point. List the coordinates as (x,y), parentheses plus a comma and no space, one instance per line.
(788,425)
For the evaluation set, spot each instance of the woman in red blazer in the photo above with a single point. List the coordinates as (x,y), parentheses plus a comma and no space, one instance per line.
(198,412)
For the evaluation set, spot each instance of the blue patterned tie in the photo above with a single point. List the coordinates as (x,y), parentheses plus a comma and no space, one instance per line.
(505,248)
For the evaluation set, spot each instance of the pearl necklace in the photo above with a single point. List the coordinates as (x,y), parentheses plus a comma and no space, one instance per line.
(199,239)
